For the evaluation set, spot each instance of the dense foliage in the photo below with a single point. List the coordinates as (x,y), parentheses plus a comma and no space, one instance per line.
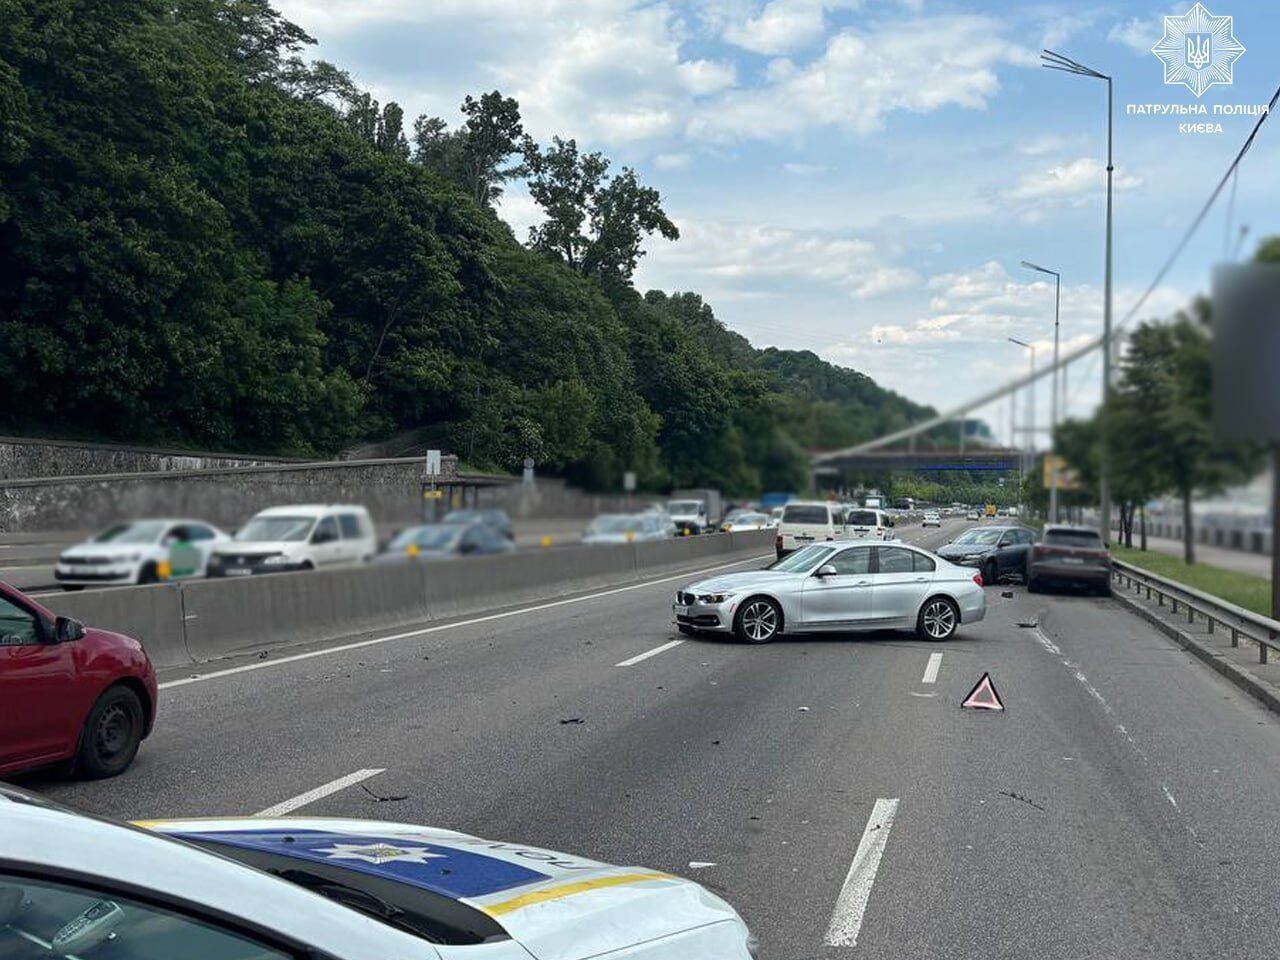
(208,241)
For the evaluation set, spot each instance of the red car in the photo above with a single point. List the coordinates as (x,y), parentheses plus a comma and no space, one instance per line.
(69,695)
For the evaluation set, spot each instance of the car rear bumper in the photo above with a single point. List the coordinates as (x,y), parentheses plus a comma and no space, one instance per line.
(1058,572)
(973,607)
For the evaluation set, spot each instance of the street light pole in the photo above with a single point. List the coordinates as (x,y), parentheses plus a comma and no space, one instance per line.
(1053,397)
(1056,61)
(1031,404)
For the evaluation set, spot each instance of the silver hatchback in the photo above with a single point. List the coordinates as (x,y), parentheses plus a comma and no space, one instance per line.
(837,587)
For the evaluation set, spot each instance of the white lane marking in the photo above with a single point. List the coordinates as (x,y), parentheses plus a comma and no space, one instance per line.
(648,653)
(931,668)
(700,864)
(311,796)
(926,695)
(1046,642)
(846,920)
(359,644)
(1169,795)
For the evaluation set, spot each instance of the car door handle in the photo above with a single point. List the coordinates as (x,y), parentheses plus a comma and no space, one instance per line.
(922,579)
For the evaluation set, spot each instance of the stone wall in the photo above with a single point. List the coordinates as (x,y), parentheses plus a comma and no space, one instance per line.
(391,489)
(21,457)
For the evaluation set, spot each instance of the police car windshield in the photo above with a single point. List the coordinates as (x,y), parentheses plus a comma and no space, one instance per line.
(147,531)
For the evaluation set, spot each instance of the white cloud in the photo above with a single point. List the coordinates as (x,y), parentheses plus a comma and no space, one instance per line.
(860,77)
(1139,34)
(720,257)
(781,27)
(1042,144)
(672,161)
(702,77)
(806,169)
(1071,184)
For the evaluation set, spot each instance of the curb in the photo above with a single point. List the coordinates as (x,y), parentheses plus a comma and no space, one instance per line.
(1246,681)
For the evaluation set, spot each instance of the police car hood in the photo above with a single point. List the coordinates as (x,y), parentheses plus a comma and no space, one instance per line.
(113,551)
(557,906)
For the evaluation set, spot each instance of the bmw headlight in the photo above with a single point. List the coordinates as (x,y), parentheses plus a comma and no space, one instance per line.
(713,597)
(132,558)
(279,560)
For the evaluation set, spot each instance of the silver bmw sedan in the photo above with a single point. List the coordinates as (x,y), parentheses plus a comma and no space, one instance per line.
(837,587)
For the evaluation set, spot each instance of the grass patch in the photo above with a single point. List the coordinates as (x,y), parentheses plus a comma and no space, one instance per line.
(1252,593)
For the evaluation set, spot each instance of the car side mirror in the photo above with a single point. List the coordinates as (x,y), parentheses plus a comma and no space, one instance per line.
(888,523)
(826,570)
(65,630)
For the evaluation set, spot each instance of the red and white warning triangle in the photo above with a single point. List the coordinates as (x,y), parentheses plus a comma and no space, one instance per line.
(983,696)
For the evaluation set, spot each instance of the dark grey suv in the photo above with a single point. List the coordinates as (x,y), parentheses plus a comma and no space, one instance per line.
(997,551)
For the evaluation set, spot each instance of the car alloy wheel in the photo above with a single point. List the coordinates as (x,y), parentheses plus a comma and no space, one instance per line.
(938,619)
(758,621)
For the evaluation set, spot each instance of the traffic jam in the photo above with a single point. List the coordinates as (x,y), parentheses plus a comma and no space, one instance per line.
(85,699)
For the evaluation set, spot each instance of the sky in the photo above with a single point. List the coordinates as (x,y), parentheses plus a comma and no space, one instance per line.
(862,178)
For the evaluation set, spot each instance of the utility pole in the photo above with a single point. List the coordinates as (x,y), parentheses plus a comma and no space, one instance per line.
(1056,61)
(1053,396)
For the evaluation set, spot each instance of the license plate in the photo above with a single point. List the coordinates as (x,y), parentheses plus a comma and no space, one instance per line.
(860,531)
(1072,560)
(680,610)
(238,572)
(799,537)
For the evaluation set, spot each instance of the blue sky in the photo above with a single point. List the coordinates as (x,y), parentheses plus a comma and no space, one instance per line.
(861,177)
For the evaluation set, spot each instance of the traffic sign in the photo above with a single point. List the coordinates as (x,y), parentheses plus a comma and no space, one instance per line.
(433,463)
(629,481)
(983,696)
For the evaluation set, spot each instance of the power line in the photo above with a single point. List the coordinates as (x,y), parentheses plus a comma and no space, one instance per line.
(1087,349)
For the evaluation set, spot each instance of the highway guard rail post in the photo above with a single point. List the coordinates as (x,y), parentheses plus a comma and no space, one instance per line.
(195,621)
(1216,612)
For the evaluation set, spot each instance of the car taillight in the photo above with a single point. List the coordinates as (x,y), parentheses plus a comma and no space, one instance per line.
(977,578)
(778,541)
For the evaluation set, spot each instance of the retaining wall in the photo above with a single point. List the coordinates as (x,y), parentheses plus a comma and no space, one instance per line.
(182,624)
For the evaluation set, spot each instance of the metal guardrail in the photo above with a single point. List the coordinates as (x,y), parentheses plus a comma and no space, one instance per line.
(1215,611)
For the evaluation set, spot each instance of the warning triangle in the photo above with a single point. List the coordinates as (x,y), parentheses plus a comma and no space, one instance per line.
(983,696)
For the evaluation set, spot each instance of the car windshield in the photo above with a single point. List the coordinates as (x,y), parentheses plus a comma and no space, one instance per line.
(276,528)
(801,513)
(619,524)
(143,531)
(746,518)
(803,560)
(463,516)
(684,506)
(435,537)
(979,537)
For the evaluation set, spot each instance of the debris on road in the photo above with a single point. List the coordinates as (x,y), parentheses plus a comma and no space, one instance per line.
(572,720)
(1021,799)
(1030,624)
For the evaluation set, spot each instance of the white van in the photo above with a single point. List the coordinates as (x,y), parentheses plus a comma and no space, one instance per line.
(806,522)
(864,524)
(297,538)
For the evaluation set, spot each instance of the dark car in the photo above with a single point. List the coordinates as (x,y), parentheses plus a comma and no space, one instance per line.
(69,694)
(1070,556)
(997,551)
(495,518)
(444,540)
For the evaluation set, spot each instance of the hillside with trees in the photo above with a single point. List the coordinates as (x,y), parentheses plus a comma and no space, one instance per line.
(210,241)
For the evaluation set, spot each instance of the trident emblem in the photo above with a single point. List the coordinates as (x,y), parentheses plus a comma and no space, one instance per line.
(1198,50)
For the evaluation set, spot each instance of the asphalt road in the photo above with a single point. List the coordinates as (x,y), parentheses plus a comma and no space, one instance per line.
(1120,807)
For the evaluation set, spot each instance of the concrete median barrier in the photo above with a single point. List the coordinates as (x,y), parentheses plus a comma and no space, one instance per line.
(202,620)
(235,616)
(151,614)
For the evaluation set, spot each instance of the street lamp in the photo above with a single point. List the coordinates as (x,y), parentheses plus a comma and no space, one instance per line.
(1056,61)
(1053,398)
(1031,404)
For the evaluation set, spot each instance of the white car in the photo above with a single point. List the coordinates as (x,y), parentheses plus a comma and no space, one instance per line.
(629,528)
(836,588)
(278,889)
(869,525)
(973,515)
(931,520)
(749,521)
(139,551)
(297,538)
(806,522)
